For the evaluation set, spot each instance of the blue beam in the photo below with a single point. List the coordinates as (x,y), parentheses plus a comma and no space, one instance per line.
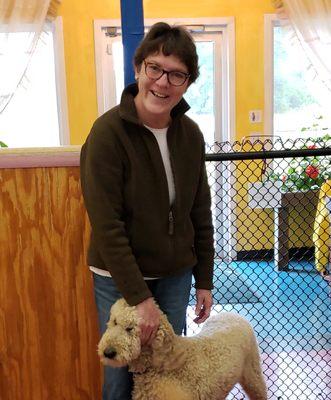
(132,19)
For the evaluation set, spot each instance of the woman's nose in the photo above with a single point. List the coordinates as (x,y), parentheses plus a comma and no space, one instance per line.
(163,80)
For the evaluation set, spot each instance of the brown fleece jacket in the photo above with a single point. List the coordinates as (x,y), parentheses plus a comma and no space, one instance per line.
(135,233)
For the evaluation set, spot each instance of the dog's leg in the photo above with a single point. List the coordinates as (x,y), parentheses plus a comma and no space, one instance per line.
(172,391)
(255,388)
(252,380)
(159,388)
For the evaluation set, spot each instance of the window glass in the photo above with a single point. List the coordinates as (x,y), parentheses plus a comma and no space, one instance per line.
(117,49)
(301,101)
(31,118)
(200,95)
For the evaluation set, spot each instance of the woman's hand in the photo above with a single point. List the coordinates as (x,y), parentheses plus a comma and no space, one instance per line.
(326,276)
(149,320)
(203,307)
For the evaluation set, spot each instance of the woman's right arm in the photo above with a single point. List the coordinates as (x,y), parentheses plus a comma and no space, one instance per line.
(102,181)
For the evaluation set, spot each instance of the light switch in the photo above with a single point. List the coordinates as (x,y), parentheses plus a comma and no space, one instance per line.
(255,116)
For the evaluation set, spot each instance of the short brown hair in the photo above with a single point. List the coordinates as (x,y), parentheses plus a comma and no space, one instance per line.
(170,40)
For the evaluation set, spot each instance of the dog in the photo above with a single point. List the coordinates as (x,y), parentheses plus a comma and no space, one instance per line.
(203,367)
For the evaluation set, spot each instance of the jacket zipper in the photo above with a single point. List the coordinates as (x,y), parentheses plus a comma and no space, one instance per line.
(171,215)
(171,223)
(171,220)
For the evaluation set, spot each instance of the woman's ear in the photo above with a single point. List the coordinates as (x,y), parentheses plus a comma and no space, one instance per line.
(137,69)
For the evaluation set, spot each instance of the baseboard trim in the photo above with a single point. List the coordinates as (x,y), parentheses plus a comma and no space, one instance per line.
(295,253)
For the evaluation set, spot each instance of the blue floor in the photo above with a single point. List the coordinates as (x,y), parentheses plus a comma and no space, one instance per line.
(291,315)
(294,311)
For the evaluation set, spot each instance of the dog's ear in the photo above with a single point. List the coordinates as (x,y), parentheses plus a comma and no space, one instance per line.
(143,362)
(163,341)
(140,364)
(166,352)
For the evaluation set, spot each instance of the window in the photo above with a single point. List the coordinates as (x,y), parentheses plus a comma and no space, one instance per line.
(36,115)
(300,104)
(204,93)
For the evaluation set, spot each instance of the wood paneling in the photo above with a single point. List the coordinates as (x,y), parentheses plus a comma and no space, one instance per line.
(48,323)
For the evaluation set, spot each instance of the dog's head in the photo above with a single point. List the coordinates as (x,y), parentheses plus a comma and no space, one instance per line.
(120,344)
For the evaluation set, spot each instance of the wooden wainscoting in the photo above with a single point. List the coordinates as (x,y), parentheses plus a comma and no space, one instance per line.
(48,323)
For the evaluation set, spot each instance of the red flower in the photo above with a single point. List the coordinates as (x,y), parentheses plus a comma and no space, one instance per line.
(312,172)
(312,146)
(284,178)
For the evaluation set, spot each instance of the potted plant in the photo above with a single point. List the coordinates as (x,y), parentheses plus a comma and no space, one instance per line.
(304,173)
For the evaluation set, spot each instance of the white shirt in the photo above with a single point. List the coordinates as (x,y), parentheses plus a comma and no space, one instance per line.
(161,137)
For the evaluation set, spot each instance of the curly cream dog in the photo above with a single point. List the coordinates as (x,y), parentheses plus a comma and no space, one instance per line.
(203,367)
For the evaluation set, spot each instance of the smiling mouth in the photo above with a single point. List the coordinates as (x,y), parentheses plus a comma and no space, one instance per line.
(159,95)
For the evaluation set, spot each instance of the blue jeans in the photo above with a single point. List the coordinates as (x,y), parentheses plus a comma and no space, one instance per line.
(172,295)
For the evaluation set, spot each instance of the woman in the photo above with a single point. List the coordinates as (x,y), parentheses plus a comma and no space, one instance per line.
(146,192)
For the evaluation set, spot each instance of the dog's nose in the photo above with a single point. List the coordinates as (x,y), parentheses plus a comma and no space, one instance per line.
(110,353)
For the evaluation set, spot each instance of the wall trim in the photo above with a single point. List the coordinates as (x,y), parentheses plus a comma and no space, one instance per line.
(295,253)
(34,157)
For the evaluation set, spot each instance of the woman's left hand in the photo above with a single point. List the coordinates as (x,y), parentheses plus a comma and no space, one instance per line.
(203,307)
(327,277)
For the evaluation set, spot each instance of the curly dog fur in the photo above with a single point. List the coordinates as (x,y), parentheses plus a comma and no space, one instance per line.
(203,367)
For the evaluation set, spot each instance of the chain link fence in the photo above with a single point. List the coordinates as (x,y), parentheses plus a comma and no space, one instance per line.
(271,207)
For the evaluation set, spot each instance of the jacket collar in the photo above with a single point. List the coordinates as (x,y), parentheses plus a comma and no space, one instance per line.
(128,111)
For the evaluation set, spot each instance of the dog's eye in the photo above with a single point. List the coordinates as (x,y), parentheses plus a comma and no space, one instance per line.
(129,329)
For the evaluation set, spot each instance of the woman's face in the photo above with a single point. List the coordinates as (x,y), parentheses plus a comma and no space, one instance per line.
(156,98)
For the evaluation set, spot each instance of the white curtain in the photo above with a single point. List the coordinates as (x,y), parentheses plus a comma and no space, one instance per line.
(311,21)
(21,26)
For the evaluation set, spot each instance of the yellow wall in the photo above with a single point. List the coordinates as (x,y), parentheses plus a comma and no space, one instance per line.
(78,16)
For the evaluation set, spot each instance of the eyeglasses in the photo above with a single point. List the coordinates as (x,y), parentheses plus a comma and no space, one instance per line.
(175,78)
